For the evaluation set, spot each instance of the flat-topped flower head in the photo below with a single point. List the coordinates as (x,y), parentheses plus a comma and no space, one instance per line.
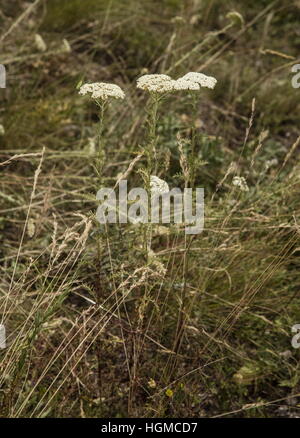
(182,84)
(158,186)
(155,83)
(102,91)
(201,79)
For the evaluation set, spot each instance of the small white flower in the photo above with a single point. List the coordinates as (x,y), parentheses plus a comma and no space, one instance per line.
(201,79)
(2,130)
(158,186)
(155,83)
(152,383)
(2,337)
(66,46)
(271,163)
(40,43)
(102,90)
(182,84)
(30,227)
(239,181)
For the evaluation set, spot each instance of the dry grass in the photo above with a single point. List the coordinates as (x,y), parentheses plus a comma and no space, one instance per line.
(97,326)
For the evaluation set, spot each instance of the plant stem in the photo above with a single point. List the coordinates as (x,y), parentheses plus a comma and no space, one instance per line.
(100,140)
(193,140)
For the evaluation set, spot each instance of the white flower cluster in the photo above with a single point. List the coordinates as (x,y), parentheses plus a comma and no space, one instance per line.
(239,181)
(159,83)
(155,83)
(201,79)
(102,90)
(158,186)
(182,84)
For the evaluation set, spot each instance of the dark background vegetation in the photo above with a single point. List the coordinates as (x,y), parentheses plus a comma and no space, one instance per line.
(235,357)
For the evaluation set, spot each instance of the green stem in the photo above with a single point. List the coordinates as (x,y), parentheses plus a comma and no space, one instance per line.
(193,140)
(152,134)
(100,140)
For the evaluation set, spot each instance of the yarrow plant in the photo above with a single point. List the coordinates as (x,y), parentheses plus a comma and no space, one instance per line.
(158,86)
(193,82)
(101,92)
